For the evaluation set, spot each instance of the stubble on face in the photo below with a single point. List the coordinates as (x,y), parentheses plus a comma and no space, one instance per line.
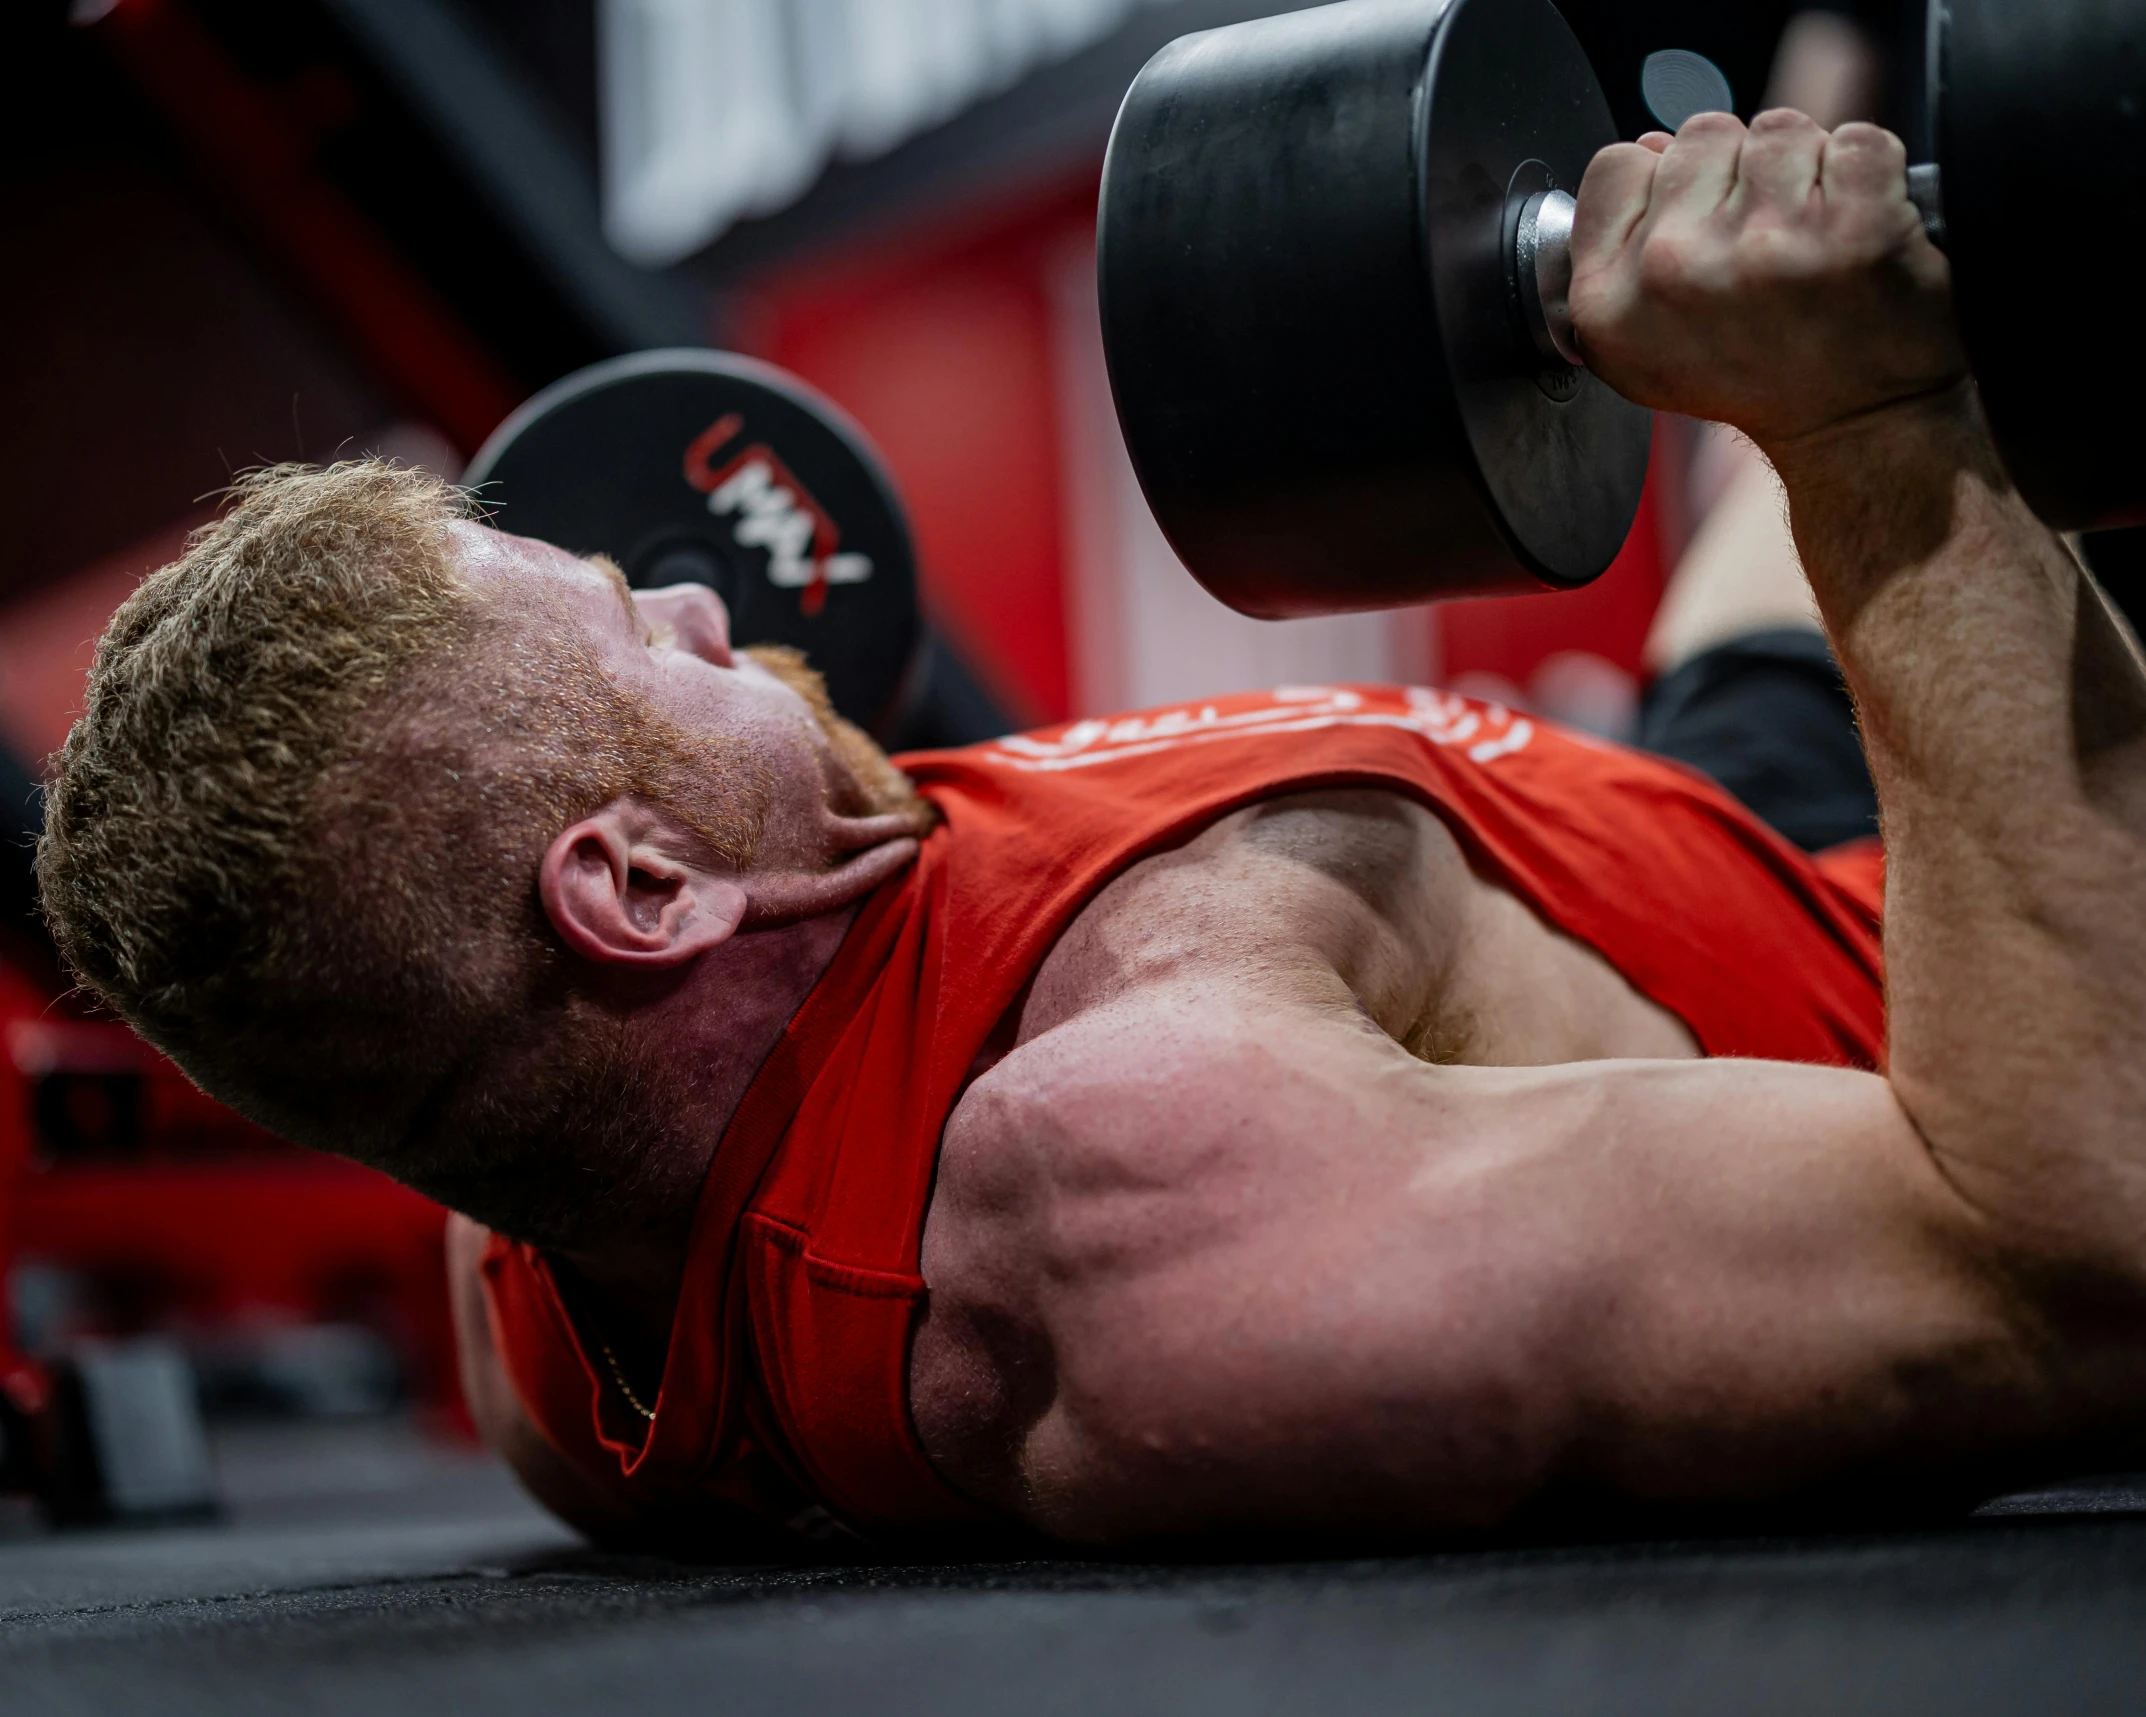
(862,780)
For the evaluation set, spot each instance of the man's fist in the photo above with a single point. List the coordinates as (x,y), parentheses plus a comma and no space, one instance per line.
(1776,278)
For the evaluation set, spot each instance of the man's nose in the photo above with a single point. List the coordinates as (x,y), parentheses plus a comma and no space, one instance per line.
(697,619)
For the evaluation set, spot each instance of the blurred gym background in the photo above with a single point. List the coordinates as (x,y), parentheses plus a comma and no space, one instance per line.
(257,230)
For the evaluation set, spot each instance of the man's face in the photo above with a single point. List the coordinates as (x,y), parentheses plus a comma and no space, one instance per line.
(672,648)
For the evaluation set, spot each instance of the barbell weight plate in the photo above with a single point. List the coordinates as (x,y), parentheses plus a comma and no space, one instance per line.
(1313,335)
(706,466)
(2039,122)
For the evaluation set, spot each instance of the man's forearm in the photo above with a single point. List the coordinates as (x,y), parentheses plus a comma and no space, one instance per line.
(1953,610)
(2004,712)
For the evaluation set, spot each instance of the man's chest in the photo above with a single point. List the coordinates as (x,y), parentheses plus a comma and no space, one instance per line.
(1349,910)
(1359,899)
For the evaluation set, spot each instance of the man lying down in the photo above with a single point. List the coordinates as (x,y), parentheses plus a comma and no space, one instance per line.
(1352,1114)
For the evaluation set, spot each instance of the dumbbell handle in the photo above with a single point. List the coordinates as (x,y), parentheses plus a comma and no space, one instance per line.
(1542,259)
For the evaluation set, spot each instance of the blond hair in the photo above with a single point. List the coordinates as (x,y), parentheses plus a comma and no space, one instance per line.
(294,838)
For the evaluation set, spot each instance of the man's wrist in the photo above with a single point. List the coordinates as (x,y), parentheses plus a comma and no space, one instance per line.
(1940,433)
(1873,495)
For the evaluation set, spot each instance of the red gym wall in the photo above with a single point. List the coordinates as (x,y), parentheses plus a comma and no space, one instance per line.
(941,343)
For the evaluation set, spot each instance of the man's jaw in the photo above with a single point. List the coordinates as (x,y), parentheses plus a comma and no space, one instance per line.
(865,791)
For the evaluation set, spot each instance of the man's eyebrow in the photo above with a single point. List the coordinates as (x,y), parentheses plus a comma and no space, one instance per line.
(604,564)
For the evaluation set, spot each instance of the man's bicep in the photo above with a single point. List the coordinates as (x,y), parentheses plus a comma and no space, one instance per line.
(1411,1298)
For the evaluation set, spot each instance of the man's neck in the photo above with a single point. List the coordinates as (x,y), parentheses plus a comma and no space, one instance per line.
(702,1043)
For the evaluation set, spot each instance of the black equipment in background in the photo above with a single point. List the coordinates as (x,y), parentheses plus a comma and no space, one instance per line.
(701,466)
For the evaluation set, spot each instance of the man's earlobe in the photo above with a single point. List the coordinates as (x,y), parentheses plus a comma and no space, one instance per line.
(619,895)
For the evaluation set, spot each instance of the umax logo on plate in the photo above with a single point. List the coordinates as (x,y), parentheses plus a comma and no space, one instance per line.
(773,512)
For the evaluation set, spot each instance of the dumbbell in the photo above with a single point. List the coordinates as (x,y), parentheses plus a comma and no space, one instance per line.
(1331,251)
(700,466)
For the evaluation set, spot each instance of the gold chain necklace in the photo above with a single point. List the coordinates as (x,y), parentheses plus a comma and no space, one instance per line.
(618,1376)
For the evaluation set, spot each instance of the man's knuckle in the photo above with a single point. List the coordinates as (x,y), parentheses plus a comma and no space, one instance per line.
(1682,266)
(1782,119)
(1664,264)
(1767,249)
(1869,150)
(1614,156)
(1704,125)
(1862,134)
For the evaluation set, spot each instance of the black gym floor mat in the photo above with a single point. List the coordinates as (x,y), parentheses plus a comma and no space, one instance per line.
(430,1586)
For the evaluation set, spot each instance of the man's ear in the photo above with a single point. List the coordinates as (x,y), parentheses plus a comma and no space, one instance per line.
(619,894)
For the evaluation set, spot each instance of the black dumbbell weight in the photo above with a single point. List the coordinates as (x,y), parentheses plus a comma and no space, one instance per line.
(1333,258)
(2038,128)
(1310,315)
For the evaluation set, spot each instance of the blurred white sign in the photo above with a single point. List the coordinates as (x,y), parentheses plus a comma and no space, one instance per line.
(718,109)
(1143,632)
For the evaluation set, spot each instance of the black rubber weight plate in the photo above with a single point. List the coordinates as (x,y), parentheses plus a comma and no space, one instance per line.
(1514,107)
(703,466)
(1313,335)
(2041,137)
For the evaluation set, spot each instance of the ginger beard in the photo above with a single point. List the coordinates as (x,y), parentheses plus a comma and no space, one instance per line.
(863,780)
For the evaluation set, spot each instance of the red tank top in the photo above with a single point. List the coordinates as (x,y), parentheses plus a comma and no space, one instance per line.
(785,1389)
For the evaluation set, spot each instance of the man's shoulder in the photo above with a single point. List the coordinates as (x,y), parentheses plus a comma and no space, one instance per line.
(1154,1091)
(1094,1154)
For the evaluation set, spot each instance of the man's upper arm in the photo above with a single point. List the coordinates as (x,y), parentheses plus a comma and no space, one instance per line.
(1291,1277)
